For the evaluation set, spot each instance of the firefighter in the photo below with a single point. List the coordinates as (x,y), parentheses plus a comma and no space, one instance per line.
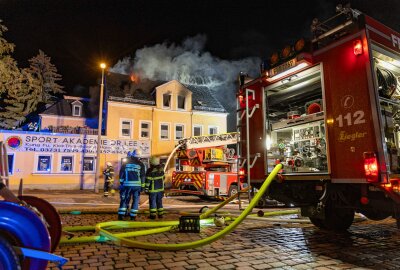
(131,176)
(108,179)
(155,187)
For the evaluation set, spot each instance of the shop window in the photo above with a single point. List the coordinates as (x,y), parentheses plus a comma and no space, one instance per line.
(88,164)
(179,131)
(166,100)
(145,130)
(66,164)
(164,131)
(126,128)
(181,102)
(43,163)
(11,163)
(197,130)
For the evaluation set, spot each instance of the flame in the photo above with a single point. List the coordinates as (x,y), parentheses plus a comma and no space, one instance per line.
(135,78)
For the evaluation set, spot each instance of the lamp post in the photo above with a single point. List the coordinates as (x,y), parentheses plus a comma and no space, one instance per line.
(98,172)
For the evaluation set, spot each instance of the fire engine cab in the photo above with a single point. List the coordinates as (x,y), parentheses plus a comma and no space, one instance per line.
(328,110)
(206,166)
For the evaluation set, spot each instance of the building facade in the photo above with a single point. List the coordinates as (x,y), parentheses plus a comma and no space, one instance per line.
(151,116)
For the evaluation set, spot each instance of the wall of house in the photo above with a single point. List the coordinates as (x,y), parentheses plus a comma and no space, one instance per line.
(158,115)
(61,161)
(56,121)
(26,155)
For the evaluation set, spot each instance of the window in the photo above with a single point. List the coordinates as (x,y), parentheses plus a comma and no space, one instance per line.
(197,130)
(212,130)
(43,163)
(76,110)
(166,100)
(178,166)
(181,102)
(66,164)
(126,128)
(10,163)
(164,131)
(88,164)
(179,131)
(163,160)
(145,128)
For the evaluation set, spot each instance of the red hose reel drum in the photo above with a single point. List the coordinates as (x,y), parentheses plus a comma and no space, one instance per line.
(314,108)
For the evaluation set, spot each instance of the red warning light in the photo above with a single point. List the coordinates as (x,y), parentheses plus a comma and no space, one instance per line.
(358,48)
(371,167)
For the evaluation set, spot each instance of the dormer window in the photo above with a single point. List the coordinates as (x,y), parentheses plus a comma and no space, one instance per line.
(181,102)
(76,108)
(166,100)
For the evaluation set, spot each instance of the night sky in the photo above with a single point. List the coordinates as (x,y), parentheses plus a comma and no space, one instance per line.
(78,34)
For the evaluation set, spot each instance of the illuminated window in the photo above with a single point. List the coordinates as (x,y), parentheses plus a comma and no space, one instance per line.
(179,131)
(88,164)
(181,102)
(166,100)
(43,163)
(164,131)
(145,130)
(10,163)
(66,164)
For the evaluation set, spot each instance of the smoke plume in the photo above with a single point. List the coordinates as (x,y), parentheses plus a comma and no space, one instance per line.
(190,64)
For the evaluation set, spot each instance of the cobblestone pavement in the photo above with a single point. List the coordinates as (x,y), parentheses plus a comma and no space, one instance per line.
(253,244)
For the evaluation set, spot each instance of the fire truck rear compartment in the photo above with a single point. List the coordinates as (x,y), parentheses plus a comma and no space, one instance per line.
(295,124)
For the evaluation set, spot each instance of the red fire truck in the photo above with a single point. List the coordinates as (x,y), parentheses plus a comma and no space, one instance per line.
(328,110)
(206,166)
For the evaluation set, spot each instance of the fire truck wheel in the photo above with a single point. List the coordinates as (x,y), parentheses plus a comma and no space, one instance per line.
(338,219)
(8,258)
(233,190)
(317,222)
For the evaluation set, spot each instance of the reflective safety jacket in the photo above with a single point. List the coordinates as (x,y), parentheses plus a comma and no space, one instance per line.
(155,179)
(109,174)
(132,173)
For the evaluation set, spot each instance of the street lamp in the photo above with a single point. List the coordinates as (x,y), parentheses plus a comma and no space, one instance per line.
(98,172)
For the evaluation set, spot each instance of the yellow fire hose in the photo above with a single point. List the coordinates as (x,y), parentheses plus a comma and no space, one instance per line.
(102,227)
(125,224)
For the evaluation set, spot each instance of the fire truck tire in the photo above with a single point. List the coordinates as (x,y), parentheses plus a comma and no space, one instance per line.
(233,189)
(8,257)
(338,219)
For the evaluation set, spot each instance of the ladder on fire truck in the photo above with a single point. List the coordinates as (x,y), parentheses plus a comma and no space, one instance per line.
(204,141)
(244,112)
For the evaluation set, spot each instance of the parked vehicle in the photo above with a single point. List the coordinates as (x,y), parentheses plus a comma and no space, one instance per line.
(328,110)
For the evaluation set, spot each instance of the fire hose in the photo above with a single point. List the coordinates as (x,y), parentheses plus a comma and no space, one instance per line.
(122,238)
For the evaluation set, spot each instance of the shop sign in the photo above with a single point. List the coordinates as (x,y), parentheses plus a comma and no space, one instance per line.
(39,142)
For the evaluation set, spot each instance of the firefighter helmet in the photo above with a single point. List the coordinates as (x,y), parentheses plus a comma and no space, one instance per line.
(154,161)
(136,152)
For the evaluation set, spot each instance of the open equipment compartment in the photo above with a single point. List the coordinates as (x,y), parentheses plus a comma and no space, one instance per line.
(296,135)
